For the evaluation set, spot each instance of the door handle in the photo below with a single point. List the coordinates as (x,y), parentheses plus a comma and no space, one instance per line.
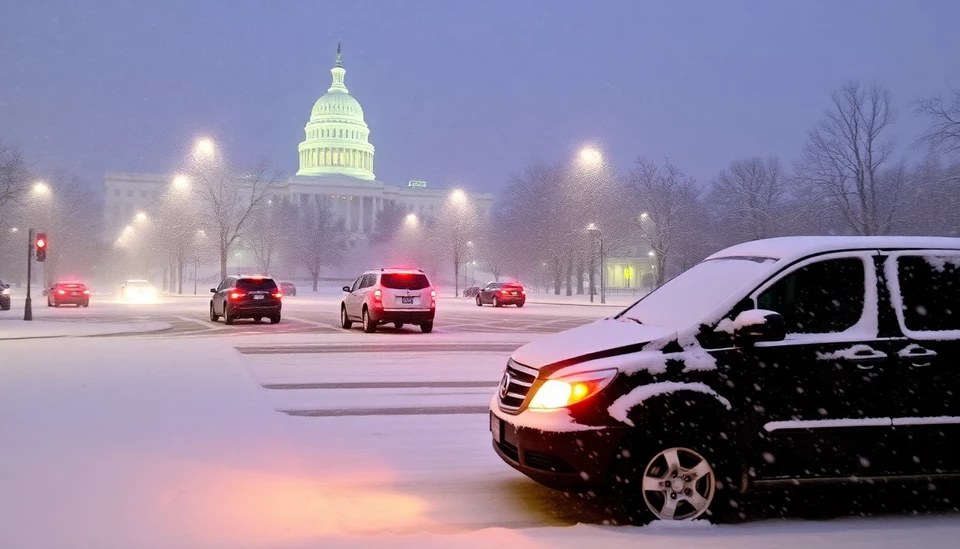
(916,351)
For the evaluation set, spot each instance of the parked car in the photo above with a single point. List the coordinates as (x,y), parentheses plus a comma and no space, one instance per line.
(779,362)
(5,296)
(380,296)
(499,294)
(253,297)
(471,291)
(288,288)
(138,291)
(68,293)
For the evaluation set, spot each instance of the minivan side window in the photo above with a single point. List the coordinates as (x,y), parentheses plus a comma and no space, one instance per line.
(357,283)
(930,287)
(819,298)
(368,280)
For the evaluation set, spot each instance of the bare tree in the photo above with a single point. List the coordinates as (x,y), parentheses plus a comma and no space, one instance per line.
(846,155)
(749,197)
(229,201)
(270,231)
(457,227)
(13,178)
(319,239)
(663,202)
(389,222)
(944,131)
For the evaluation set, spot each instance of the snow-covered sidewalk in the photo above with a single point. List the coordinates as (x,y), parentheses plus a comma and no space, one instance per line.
(130,443)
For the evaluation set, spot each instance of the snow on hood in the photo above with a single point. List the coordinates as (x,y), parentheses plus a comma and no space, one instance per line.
(591,340)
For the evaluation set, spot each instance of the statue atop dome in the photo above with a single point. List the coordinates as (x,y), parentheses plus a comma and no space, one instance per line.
(339,55)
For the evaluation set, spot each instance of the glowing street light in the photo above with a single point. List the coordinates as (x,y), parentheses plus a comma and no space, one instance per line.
(590,155)
(644,216)
(411,220)
(41,188)
(458,197)
(141,217)
(181,182)
(204,146)
(14,229)
(652,254)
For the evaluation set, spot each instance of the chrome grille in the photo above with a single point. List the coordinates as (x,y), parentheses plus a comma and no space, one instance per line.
(515,385)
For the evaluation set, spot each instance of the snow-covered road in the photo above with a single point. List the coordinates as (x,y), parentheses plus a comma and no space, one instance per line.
(322,439)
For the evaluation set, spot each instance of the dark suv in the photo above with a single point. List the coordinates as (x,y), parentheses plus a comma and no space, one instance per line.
(255,297)
(778,362)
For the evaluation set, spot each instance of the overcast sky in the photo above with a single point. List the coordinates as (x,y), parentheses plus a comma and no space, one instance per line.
(455,93)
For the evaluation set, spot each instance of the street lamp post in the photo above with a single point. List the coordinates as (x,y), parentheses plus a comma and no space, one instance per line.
(196,264)
(603,286)
(28,305)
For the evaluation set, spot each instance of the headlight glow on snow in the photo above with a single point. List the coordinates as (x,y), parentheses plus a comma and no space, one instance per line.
(561,392)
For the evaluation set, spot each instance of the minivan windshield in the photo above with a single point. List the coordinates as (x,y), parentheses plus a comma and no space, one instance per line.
(686,299)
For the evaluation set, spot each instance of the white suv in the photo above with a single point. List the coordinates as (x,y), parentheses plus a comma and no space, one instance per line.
(380,296)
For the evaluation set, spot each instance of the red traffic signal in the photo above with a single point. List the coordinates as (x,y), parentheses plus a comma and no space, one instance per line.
(41,245)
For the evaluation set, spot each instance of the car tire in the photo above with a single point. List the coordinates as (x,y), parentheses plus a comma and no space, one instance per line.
(345,321)
(369,325)
(636,502)
(479,302)
(86,303)
(213,316)
(55,304)
(520,304)
(398,325)
(49,304)
(258,320)
(496,302)
(275,319)
(426,327)
(227,317)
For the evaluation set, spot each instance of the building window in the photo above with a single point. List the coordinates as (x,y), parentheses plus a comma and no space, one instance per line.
(143,194)
(116,192)
(130,192)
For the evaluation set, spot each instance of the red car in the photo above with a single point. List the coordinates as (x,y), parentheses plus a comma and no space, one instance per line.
(499,294)
(68,293)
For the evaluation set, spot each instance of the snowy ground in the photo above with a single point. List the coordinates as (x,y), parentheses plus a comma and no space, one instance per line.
(247,436)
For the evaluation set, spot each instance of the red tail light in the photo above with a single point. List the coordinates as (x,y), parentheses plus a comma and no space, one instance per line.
(433,293)
(278,295)
(504,292)
(61,292)
(377,295)
(86,292)
(236,295)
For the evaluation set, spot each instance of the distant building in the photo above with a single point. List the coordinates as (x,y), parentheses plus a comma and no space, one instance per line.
(336,162)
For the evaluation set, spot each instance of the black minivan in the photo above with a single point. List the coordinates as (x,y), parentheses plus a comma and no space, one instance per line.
(777,362)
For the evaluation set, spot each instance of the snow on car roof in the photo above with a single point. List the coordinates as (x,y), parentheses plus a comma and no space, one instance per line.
(794,247)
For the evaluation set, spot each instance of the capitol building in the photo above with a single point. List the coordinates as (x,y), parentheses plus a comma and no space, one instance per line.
(336,162)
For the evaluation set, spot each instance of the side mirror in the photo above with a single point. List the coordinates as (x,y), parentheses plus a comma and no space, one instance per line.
(44,293)
(758,325)
(346,289)
(213,290)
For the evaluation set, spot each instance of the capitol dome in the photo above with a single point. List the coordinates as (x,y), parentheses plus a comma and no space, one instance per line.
(337,138)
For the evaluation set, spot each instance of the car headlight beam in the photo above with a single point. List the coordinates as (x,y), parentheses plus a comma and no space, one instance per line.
(567,390)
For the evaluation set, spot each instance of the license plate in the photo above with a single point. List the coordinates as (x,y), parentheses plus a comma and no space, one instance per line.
(258,297)
(495,427)
(407,300)
(514,293)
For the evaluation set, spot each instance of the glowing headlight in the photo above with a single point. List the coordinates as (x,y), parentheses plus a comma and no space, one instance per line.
(564,391)
(6,291)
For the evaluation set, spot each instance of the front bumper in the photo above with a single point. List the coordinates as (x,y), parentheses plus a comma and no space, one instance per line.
(70,300)
(5,301)
(415,316)
(570,460)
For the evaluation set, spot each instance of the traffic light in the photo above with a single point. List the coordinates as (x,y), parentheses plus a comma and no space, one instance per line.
(41,245)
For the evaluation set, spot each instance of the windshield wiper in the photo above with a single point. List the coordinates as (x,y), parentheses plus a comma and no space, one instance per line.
(637,320)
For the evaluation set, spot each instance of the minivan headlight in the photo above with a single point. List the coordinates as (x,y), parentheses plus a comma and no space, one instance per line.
(567,390)
(5,291)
